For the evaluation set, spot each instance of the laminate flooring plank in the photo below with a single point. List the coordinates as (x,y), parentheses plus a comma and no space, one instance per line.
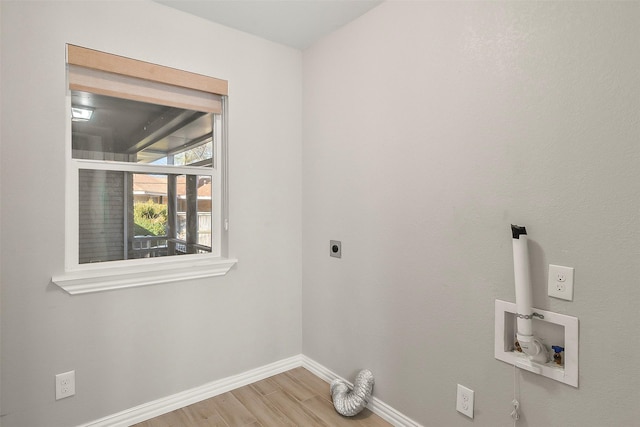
(293,386)
(266,386)
(296,372)
(171,419)
(317,385)
(369,419)
(263,410)
(213,421)
(325,411)
(204,414)
(200,411)
(232,411)
(287,404)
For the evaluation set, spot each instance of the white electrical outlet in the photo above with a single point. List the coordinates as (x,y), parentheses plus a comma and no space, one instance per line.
(464,401)
(560,282)
(65,385)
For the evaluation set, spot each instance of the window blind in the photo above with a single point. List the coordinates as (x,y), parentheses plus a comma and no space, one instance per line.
(112,75)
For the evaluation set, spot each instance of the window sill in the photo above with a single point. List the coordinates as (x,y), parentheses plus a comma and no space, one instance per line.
(111,278)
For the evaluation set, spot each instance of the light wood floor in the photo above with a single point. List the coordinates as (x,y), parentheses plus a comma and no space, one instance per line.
(293,398)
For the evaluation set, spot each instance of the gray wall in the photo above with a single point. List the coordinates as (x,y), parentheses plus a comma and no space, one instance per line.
(133,346)
(429,127)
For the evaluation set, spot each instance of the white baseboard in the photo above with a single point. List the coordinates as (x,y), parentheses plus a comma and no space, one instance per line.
(167,404)
(171,403)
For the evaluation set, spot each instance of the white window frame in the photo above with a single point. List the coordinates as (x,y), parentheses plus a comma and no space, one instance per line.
(86,278)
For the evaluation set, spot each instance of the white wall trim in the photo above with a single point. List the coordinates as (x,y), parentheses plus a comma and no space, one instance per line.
(167,404)
(170,270)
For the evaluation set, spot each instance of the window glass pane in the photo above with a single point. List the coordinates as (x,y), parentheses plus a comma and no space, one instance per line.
(101,216)
(125,215)
(194,213)
(150,216)
(108,128)
(199,155)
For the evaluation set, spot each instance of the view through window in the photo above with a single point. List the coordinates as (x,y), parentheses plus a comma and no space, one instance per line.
(145,178)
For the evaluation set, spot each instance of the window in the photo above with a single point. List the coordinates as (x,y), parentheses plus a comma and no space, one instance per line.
(146,174)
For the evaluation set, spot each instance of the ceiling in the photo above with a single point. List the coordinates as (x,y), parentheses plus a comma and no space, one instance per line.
(295,23)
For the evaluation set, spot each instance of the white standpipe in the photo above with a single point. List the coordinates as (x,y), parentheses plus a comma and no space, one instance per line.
(528,342)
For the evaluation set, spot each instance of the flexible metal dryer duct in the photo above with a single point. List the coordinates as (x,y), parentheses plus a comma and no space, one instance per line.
(351,402)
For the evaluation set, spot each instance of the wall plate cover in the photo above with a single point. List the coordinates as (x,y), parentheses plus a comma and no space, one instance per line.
(560,282)
(464,401)
(65,385)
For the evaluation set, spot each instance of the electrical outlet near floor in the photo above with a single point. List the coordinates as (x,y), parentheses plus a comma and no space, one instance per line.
(65,385)
(560,282)
(464,401)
